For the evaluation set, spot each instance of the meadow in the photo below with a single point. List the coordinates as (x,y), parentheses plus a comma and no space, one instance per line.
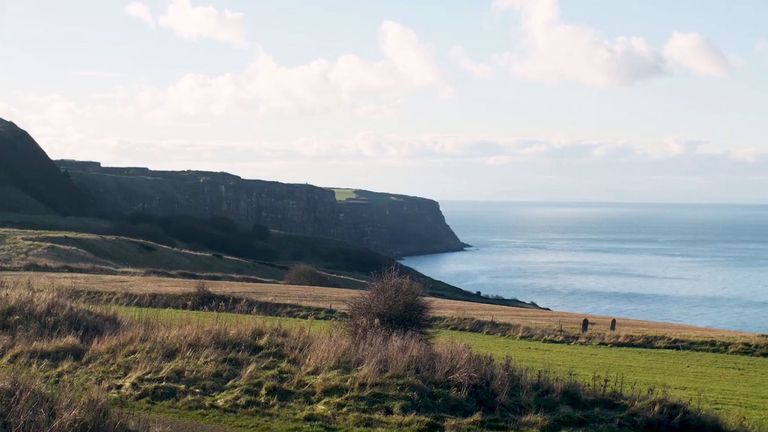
(335,298)
(134,366)
(733,387)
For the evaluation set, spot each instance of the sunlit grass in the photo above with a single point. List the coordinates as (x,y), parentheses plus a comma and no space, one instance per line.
(734,387)
(345,194)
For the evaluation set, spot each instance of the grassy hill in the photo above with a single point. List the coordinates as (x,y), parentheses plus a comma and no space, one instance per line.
(191,223)
(267,259)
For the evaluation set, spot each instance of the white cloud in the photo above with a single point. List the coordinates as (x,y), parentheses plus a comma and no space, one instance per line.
(552,51)
(196,22)
(407,54)
(105,130)
(141,11)
(348,83)
(675,169)
(676,146)
(697,54)
(478,70)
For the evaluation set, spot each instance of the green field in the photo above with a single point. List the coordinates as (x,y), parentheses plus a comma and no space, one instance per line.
(734,387)
(345,194)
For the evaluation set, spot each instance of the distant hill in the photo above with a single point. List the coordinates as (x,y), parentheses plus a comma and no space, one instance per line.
(187,223)
(394,225)
(29,181)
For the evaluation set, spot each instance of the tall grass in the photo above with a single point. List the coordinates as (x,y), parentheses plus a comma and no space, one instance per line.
(26,406)
(32,313)
(377,379)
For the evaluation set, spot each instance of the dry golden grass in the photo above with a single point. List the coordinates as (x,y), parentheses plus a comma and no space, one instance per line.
(275,378)
(336,298)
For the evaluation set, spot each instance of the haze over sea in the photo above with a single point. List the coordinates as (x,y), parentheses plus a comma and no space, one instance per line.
(705,265)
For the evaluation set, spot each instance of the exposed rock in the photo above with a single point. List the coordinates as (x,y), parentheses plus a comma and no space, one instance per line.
(394,225)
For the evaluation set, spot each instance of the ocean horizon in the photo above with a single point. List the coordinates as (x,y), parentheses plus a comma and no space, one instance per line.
(699,264)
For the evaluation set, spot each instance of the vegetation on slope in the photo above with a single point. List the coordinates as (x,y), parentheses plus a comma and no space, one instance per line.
(194,248)
(256,375)
(32,182)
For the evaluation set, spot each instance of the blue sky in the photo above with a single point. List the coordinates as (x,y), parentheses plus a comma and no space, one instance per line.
(578,100)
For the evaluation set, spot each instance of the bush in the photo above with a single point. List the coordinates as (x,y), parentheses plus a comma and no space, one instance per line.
(393,303)
(302,274)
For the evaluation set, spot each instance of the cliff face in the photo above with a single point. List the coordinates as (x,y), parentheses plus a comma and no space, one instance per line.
(394,225)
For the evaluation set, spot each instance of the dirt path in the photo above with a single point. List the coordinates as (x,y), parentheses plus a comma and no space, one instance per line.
(335,298)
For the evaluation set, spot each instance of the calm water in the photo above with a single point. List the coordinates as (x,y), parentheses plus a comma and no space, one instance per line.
(698,264)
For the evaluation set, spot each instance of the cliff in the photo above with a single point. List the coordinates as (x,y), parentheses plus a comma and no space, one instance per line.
(393,225)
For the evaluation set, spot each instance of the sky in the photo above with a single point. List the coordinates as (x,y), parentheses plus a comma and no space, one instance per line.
(530,100)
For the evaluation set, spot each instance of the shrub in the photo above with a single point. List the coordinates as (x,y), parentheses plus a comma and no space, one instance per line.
(302,274)
(393,303)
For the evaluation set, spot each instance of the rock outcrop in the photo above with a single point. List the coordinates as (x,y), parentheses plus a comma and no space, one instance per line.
(393,225)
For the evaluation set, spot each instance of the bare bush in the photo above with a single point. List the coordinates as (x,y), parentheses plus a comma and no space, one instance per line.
(393,303)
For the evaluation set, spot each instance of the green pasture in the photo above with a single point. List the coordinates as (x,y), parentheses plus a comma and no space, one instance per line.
(733,387)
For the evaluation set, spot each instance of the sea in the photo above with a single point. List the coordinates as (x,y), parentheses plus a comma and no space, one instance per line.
(705,265)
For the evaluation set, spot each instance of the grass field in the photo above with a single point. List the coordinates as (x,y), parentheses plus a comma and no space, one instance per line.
(345,194)
(336,298)
(733,387)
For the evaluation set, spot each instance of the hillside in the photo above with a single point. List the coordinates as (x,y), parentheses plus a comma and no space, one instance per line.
(85,217)
(107,253)
(29,181)
(394,225)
